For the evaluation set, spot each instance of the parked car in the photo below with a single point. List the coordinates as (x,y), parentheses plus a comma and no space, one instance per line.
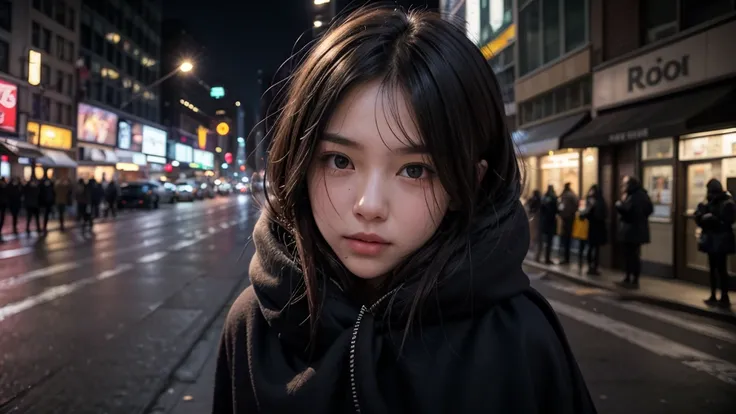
(185,191)
(139,194)
(167,192)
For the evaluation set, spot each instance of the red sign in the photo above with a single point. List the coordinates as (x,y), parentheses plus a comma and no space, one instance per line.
(229,158)
(8,106)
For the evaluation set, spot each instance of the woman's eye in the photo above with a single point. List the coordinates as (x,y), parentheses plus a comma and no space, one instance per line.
(339,162)
(415,171)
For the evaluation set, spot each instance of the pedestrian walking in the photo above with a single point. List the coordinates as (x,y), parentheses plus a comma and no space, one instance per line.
(715,217)
(595,213)
(31,200)
(47,200)
(84,209)
(568,208)
(63,193)
(111,199)
(534,210)
(388,273)
(634,210)
(15,201)
(548,216)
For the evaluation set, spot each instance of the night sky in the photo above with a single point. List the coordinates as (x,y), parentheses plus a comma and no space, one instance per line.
(245,35)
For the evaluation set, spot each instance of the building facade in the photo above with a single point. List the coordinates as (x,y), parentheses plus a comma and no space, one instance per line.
(38,46)
(662,104)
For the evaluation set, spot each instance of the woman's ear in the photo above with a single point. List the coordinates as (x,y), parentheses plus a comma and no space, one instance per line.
(481,169)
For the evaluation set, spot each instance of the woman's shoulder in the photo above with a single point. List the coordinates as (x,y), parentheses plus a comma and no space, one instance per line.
(242,312)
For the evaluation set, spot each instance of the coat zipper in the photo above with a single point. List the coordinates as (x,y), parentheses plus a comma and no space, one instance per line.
(353,343)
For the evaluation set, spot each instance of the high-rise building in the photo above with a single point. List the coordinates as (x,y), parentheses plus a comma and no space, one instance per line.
(121,49)
(38,51)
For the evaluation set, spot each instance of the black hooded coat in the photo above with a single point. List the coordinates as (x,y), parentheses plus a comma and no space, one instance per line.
(486,342)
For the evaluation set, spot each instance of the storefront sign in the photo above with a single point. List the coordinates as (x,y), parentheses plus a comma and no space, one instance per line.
(154,141)
(8,106)
(51,136)
(156,159)
(131,157)
(636,134)
(130,136)
(202,137)
(694,60)
(183,153)
(96,125)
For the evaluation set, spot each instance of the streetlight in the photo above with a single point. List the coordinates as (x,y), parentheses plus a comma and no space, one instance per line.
(237,103)
(184,67)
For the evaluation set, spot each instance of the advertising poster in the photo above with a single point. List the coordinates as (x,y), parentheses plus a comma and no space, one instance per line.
(154,141)
(97,125)
(130,136)
(8,106)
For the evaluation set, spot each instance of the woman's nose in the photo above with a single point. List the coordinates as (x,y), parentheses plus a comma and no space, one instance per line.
(372,202)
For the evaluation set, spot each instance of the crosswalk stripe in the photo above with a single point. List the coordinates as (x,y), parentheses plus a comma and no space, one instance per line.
(659,345)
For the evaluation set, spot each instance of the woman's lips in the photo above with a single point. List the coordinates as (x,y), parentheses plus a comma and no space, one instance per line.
(366,245)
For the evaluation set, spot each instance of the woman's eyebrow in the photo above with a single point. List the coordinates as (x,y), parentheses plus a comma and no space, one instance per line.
(342,140)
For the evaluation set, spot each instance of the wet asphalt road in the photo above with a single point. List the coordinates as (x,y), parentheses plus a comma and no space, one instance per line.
(95,324)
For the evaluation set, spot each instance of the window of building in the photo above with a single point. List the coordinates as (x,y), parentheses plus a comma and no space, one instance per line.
(4,56)
(58,112)
(659,19)
(576,24)
(68,115)
(696,12)
(36,35)
(48,8)
(6,13)
(71,19)
(60,47)
(99,44)
(69,85)
(61,12)
(59,82)
(45,75)
(70,51)
(37,4)
(46,108)
(36,105)
(46,40)
(530,37)
(551,24)
(86,36)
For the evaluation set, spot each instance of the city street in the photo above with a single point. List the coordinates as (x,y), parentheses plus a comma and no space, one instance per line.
(95,324)
(128,320)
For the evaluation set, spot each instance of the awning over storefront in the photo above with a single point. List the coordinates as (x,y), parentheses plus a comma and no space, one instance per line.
(19,148)
(665,117)
(543,138)
(55,158)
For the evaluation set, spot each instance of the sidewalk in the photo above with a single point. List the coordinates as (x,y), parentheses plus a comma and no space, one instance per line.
(669,293)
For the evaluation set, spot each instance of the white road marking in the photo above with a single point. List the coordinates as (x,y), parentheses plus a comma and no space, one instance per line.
(659,345)
(58,291)
(36,274)
(7,254)
(152,257)
(700,328)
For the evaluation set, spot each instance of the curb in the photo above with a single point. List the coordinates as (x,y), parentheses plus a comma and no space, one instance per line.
(631,295)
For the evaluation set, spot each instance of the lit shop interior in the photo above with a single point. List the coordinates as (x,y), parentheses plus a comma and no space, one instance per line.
(574,166)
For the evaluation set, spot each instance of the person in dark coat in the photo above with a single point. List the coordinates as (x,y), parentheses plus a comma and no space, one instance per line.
(82,197)
(634,210)
(63,198)
(31,200)
(568,208)
(15,197)
(96,196)
(47,199)
(534,210)
(595,212)
(548,221)
(715,216)
(3,203)
(111,198)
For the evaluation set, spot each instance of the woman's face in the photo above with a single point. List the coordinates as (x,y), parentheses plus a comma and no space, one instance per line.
(375,198)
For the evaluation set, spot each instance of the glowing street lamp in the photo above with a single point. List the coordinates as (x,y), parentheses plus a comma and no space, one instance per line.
(186,66)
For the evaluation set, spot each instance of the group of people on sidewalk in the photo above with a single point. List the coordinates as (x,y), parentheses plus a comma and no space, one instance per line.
(714,216)
(46,197)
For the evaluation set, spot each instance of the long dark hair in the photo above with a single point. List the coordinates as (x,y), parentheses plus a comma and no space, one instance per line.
(458,110)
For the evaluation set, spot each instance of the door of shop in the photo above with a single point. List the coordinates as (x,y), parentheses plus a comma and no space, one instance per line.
(616,162)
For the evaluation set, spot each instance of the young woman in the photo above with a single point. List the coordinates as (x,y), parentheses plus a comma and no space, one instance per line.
(387,275)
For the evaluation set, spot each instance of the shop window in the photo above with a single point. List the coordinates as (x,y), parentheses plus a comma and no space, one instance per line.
(551,24)
(6,13)
(721,144)
(697,12)
(575,24)
(659,19)
(530,37)
(657,149)
(658,180)
(560,168)
(590,171)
